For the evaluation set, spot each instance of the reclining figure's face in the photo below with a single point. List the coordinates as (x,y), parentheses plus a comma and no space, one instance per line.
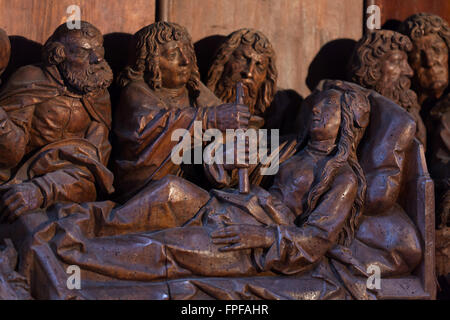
(429,59)
(250,68)
(84,67)
(175,64)
(326,116)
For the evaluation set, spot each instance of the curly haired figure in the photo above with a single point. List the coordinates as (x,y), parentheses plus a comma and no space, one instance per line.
(380,62)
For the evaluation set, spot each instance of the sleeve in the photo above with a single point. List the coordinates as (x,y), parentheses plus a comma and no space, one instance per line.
(296,248)
(98,135)
(70,184)
(70,172)
(147,131)
(14,135)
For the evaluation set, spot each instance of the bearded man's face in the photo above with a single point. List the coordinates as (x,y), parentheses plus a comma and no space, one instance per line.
(249,67)
(84,67)
(395,80)
(429,59)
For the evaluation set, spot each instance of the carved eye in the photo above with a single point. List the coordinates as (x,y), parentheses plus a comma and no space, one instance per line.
(171,55)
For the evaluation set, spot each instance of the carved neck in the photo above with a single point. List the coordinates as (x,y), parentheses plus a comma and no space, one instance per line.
(178,97)
(322,148)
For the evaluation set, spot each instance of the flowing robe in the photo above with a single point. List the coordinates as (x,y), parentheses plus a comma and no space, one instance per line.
(125,244)
(56,140)
(157,245)
(144,126)
(41,127)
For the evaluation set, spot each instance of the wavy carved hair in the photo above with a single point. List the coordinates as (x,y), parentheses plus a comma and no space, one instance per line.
(345,152)
(365,64)
(145,64)
(422,24)
(260,43)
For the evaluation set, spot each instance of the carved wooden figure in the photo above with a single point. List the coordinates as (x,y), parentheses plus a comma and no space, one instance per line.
(429,58)
(380,62)
(180,241)
(333,210)
(247,56)
(162,89)
(49,112)
(430,36)
(54,124)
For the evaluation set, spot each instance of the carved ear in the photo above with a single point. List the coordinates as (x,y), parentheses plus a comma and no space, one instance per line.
(55,53)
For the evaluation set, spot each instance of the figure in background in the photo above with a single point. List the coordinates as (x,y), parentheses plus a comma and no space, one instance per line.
(247,56)
(429,58)
(161,93)
(430,35)
(54,124)
(380,62)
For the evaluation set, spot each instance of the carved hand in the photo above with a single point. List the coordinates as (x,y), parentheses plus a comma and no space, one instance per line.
(20,199)
(229,116)
(243,236)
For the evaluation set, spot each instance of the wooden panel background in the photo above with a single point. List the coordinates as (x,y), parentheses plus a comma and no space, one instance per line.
(312,38)
(298,30)
(402,9)
(37,19)
(29,23)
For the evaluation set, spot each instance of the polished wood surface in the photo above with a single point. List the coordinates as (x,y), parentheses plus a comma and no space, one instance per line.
(37,19)
(402,9)
(297,29)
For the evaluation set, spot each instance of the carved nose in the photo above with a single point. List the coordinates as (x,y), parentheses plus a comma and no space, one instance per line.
(428,58)
(184,60)
(248,72)
(95,58)
(408,71)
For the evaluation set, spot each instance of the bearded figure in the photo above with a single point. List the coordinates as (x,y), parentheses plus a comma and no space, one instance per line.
(430,35)
(54,124)
(247,56)
(380,62)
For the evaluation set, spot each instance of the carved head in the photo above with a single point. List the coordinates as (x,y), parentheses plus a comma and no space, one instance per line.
(380,62)
(165,58)
(325,116)
(246,56)
(430,35)
(79,56)
(340,112)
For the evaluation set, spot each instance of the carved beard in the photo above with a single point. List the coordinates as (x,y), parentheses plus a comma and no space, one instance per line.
(226,91)
(93,78)
(399,92)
